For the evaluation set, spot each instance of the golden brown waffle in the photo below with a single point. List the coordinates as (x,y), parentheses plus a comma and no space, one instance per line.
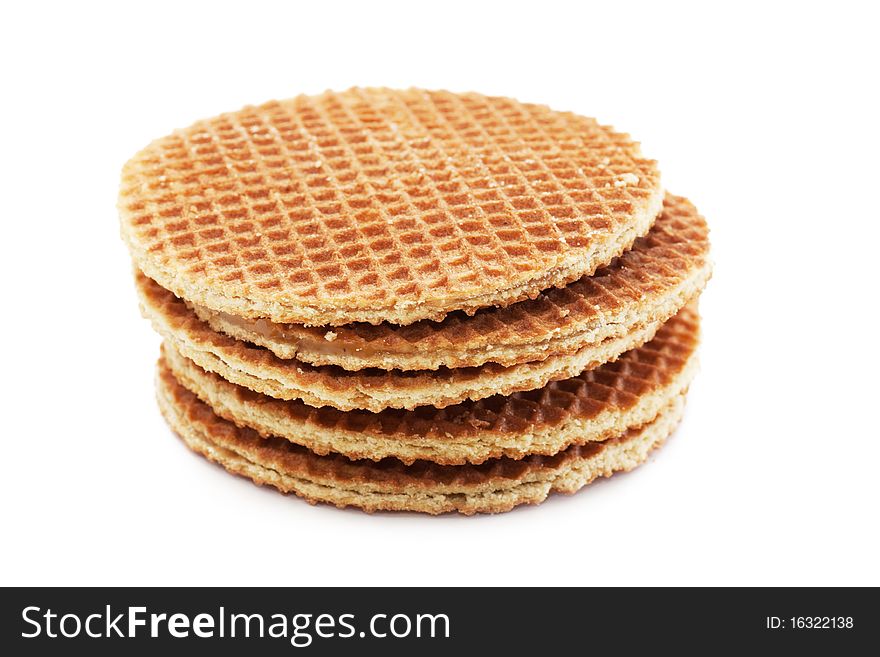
(594,406)
(372,389)
(647,284)
(378,205)
(494,486)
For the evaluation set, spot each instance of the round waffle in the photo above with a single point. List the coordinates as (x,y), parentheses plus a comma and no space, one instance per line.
(597,405)
(494,486)
(647,284)
(262,371)
(376,205)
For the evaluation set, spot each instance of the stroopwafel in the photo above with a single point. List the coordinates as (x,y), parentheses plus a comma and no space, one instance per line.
(599,404)
(378,205)
(647,284)
(494,486)
(327,385)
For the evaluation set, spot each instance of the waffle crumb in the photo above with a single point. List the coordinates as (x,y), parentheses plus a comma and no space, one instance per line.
(625,179)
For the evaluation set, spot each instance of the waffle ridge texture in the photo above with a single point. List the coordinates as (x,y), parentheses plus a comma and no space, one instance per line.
(494,486)
(648,283)
(599,404)
(377,205)
(260,370)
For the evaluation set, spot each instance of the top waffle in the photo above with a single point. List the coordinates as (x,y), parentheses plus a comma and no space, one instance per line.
(378,205)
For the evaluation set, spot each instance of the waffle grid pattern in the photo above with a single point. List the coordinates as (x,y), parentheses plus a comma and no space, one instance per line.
(370,197)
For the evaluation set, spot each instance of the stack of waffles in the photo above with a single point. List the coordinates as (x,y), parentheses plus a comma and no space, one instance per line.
(415,300)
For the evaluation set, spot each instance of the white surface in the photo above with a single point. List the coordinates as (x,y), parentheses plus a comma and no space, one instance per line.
(764,115)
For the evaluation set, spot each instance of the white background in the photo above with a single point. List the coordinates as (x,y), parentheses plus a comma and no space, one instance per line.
(766,116)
